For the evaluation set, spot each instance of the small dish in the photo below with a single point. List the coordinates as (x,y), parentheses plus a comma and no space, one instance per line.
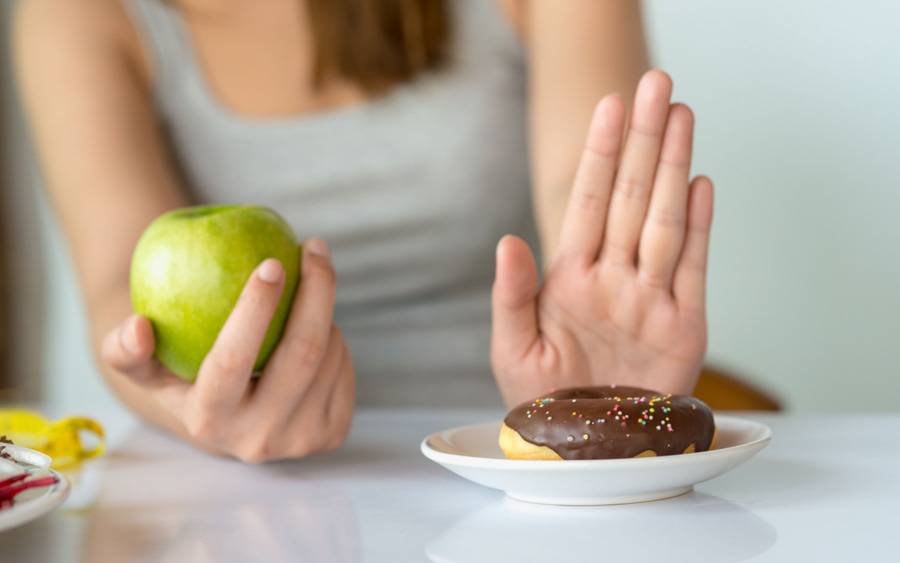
(33,503)
(472,452)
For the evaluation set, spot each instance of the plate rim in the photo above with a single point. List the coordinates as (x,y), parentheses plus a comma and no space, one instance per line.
(22,455)
(461,460)
(28,511)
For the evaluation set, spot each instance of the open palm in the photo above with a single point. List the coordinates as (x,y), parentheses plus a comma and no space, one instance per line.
(623,300)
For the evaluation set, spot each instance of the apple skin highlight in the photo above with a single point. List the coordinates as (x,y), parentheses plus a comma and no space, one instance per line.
(189,268)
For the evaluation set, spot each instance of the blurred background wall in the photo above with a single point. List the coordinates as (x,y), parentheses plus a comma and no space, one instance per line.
(798,122)
(50,357)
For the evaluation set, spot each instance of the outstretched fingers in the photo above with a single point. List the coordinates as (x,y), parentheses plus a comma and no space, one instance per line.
(582,230)
(690,275)
(632,186)
(664,227)
(514,301)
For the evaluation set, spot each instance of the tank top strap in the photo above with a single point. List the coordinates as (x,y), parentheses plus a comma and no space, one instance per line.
(484,33)
(164,36)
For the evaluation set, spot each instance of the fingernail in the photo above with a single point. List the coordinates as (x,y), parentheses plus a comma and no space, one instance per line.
(128,336)
(270,271)
(318,247)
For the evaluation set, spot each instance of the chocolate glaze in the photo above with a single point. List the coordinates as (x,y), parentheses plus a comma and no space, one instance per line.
(613,422)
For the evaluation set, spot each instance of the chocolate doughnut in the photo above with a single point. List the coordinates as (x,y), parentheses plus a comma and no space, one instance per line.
(606,422)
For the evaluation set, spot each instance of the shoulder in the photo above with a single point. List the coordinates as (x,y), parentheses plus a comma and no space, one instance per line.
(63,20)
(48,33)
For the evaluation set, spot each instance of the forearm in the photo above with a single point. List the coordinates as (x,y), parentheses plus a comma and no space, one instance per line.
(552,180)
(580,51)
(102,154)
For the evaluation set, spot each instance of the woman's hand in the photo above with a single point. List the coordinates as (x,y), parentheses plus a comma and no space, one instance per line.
(623,300)
(302,403)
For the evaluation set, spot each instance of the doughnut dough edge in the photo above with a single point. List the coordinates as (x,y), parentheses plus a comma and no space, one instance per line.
(514,446)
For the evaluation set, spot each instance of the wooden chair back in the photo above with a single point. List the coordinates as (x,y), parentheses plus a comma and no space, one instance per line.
(728,392)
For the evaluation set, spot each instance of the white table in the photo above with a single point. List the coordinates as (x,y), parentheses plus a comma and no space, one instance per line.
(826,489)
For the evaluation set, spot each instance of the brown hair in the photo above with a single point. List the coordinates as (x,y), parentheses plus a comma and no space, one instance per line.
(377,44)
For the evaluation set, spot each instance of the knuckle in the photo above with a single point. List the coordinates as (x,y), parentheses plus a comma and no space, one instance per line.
(667,218)
(700,231)
(674,161)
(602,149)
(618,253)
(693,264)
(591,202)
(113,361)
(301,447)
(654,279)
(630,187)
(321,269)
(255,452)
(227,361)
(255,295)
(252,457)
(306,351)
(644,129)
(201,427)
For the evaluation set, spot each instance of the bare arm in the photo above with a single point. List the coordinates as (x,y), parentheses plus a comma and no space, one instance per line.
(100,149)
(107,173)
(579,51)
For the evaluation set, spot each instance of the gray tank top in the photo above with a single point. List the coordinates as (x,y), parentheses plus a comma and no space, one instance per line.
(411,191)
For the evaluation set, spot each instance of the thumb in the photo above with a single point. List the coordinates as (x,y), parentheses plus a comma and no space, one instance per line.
(514,300)
(128,348)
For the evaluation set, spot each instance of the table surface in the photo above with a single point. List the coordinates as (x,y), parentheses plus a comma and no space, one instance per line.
(826,489)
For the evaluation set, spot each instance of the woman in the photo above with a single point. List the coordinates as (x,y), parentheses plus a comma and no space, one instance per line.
(396,131)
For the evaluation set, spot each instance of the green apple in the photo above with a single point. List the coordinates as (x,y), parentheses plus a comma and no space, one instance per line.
(189,268)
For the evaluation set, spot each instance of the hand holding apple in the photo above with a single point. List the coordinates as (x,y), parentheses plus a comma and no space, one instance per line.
(303,401)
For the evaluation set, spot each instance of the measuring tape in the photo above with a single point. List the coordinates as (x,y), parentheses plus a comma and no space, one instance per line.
(61,440)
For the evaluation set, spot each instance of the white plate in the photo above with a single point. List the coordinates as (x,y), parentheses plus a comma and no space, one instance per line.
(33,503)
(473,453)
